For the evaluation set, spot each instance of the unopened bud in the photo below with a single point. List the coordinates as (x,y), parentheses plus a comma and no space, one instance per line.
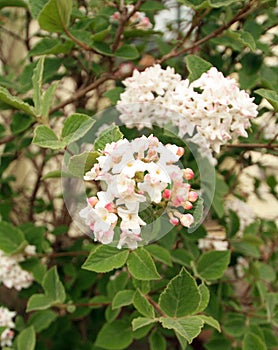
(187,205)
(187,220)
(192,196)
(92,201)
(166,194)
(188,174)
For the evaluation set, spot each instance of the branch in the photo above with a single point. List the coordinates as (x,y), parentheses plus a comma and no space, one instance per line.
(252,145)
(174,53)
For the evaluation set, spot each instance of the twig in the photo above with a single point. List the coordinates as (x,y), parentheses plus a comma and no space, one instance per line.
(252,145)
(174,53)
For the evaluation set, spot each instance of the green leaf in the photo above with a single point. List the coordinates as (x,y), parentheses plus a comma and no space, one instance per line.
(51,46)
(196,66)
(188,327)
(127,52)
(140,322)
(81,163)
(197,214)
(221,3)
(157,341)
(53,287)
(111,134)
(16,102)
(152,6)
(123,298)
(55,15)
(114,94)
(46,100)
(21,122)
(101,48)
(36,6)
(45,137)
(12,238)
(105,258)
(221,189)
(211,322)
(195,4)
(76,126)
(270,95)
(37,84)
(182,257)
(181,296)
(251,341)
(41,320)
(159,253)
(26,340)
(212,265)
(12,3)
(114,336)
(204,292)
(141,266)
(143,305)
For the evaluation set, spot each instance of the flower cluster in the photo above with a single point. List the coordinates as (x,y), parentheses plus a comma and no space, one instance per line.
(132,172)
(6,321)
(12,275)
(138,20)
(213,104)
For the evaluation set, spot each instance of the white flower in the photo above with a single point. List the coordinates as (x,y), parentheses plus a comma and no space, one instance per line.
(130,239)
(6,320)
(130,220)
(153,187)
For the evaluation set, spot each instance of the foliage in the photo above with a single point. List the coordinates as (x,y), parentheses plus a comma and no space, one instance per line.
(63,63)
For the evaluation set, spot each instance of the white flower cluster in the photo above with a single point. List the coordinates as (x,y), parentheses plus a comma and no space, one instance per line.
(134,172)
(6,321)
(214,104)
(244,212)
(11,273)
(139,19)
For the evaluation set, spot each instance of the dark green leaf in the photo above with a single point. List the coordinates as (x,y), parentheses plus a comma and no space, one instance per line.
(55,15)
(12,238)
(141,266)
(212,265)
(196,66)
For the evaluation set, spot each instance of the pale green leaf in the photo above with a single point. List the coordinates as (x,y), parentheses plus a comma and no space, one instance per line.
(141,266)
(38,302)
(55,15)
(37,84)
(45,137)
(188,327)
(213,264)
(143,305)
(26,340)
(123,298)
(76,126)
(15,102)
(270,95)
(140,322)
(81,163)
(204,292)
(181,296)
(111,134)
(211,322)
(46,100)
(105,258)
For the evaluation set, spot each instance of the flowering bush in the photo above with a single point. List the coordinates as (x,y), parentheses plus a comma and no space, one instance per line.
(138,175)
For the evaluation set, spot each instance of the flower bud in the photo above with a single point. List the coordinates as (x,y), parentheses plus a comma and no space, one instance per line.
(166,194)
(92,201)
(188,174)
(174,221)
(187,205)
(192,196)
(187,220)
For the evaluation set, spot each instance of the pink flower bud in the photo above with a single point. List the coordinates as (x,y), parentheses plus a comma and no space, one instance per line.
(188,174)
(192,196)
(110,207)
(166,194)
(187,205)
(92,201)
(174,221)
(180,151)
(187,220)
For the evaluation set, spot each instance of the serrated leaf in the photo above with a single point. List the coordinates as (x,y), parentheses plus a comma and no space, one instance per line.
(55,15)
(105,258)
(251,341)
(210,321)
(46,100)
(37,84)
(159,253)
(123,298)
(140,322)
(270,95)
(76,126)
(12,239)
(181,296)
(127,52)
(81,163)
(212,265)
(141,266)
(26,340)
(41,320)
(196,66)
(111,134)
(46,138)
(143,305)
(114,336)
(205,295)
(188,327)
(16,102)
